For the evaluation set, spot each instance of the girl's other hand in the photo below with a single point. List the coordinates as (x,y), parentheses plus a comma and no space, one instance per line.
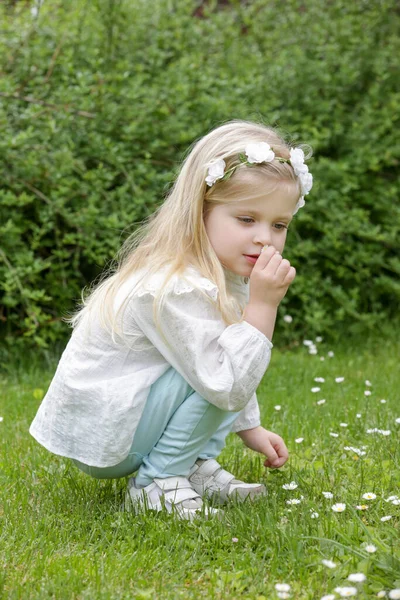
(268,443)
(270,278)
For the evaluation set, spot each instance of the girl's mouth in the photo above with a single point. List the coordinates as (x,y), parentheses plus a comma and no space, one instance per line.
(251,259)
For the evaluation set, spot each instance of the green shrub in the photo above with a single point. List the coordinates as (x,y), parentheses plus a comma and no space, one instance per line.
(100,100)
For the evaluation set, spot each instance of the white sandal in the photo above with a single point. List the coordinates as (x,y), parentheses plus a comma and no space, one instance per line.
(209,479)
(175,494)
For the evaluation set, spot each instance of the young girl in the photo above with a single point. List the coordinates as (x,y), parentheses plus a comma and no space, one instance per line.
(166,353)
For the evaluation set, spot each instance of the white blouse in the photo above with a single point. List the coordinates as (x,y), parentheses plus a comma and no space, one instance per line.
(96,398)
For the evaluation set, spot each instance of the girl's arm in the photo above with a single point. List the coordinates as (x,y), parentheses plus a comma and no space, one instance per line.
(268,443)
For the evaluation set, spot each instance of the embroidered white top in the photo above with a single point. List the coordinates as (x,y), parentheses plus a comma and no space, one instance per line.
(96,398)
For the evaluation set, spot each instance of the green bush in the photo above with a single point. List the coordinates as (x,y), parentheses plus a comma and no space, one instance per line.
(100,100)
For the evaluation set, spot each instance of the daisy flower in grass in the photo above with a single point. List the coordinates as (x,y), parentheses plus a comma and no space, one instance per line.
(339,507)
(369,496)
(327,494)
(328,563)
(367,393)
(283,595)
(282,587)
(299,440)
(370,548)
(329,597)
(394,594)
(339,379)
(362,507)
(387,518)
(315,390)
(357,577)
(290,486)
(331,354)
(346,592)
(319,379)
(333,434)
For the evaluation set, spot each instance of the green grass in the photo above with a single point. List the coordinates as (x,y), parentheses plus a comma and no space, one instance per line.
(63,534)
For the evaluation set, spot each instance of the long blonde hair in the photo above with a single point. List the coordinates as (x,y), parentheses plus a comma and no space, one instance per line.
(175,233)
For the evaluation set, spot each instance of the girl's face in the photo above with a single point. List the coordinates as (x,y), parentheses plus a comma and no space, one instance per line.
(242,228)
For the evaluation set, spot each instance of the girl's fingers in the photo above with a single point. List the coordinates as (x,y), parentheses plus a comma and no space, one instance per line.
(290,276)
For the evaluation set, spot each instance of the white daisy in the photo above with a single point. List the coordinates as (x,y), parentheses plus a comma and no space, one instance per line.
(278,407)
(288,319)
(290,486)
(339,507)
(368,383)
(328,563)
(367,393)
(343,425)
(394,594)
(319,379)
(331,354)
(293,501)
(339,379)
(321,401)
(314,515)
(319,339)
(387,518)
(333,434)
(327,494)
(315,390)
(282,587)
(370,548)
(345,592)
(357,577)
(299,440)
(369,496)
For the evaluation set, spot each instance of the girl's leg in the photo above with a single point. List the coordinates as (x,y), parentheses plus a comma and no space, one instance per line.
(166,442)
(216,443)
(186,433)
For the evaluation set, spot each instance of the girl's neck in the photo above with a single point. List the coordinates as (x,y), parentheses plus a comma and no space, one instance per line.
(232,277)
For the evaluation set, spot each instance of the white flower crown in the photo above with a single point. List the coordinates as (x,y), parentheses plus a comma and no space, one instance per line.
(260,152)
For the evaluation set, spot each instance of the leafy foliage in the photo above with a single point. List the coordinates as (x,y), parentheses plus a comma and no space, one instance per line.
(100,101)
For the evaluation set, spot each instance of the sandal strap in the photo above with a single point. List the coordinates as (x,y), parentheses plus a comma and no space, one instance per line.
(173,483)
(177,496)
(176,489)
(214,473)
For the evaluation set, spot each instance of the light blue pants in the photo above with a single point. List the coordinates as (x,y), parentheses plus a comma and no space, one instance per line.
(177,427)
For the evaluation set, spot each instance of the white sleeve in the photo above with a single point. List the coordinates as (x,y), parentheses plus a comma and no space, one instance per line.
(249,416)
(224,364)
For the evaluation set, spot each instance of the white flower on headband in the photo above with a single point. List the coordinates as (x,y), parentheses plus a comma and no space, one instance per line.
(306,182)
(215,172)
(301,170)
(259,152)
(297,161)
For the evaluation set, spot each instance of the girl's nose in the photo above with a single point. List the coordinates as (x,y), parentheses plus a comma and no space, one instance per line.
(263,238)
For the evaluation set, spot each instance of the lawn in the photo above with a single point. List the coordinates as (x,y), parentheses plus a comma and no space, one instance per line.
(64,536)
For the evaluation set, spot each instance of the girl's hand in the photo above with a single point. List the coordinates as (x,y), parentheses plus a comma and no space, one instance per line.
(268,443)
(270,278)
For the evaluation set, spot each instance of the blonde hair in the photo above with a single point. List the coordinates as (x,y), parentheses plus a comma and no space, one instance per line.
(175,233)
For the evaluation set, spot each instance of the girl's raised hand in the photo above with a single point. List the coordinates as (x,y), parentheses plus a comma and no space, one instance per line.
(270,277)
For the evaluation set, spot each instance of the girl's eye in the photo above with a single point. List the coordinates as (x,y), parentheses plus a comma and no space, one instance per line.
(280,226)
(245,219)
